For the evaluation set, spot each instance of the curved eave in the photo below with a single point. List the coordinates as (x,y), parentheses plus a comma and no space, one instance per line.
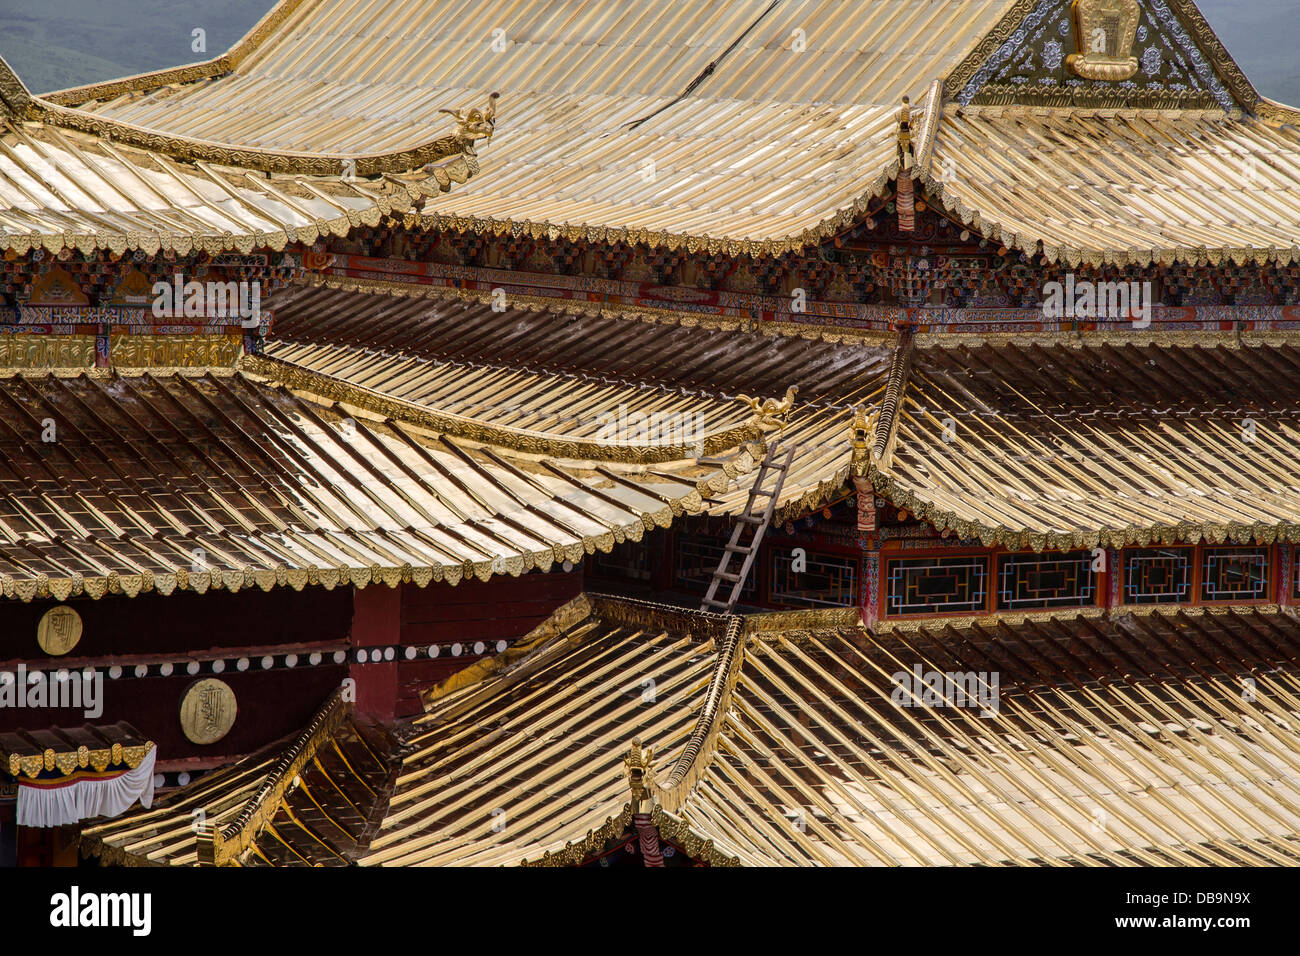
(337,496)
(1120,187)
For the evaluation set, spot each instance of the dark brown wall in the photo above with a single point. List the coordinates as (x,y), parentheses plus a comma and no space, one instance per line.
(499,609)
(185,621)
(272,704)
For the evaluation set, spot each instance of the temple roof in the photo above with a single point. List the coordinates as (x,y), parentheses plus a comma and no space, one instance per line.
(1064,446)
(1122,186)
(762,126)
(1111,740)
(695,119)
(39,754)
(308,801)
(68,179)
(566,371)
(1059,442)
(272,475)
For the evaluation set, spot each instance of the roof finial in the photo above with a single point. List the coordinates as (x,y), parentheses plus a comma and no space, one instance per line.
(905,132)
(639,766)
(476,124)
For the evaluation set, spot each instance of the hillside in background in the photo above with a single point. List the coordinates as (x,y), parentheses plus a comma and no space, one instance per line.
(52,44)
(58,43)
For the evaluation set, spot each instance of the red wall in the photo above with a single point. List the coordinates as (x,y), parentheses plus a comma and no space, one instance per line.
(499,609)
(116,629)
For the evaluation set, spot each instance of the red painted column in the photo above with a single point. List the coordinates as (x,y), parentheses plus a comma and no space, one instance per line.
(376,622)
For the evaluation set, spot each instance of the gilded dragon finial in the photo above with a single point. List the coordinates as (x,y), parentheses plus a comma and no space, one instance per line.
(770,410)
(476,124)
(862,428)
(639,766)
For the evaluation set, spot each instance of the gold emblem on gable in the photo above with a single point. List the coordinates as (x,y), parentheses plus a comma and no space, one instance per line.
(57,287)
(208,711)
(1105,31)
(59,630)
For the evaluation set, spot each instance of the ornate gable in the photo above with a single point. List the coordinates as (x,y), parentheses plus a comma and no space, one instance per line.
(1130,53)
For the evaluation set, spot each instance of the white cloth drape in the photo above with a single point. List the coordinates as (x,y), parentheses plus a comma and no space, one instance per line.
(57,806)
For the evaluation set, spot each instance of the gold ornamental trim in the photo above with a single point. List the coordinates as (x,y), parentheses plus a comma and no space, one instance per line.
(223,846)
(670,828)
(175,351)
(15,98)
(764,625)
(696,756)
(68,762)
(21,350)
(675,830)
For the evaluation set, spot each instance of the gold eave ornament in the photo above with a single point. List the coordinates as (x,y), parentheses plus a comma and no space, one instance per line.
(1105,31)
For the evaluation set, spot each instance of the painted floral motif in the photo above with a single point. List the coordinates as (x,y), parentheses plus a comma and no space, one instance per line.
(1053,54)
(1152,61)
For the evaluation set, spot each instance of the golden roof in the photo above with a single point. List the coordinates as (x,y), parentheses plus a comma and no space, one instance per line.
(70,179)
(1033,446)
(1112,741)
(271,475)
(738,123)
(1014,441)
(564,372)
(307,803)
(1122,186)
(747,126)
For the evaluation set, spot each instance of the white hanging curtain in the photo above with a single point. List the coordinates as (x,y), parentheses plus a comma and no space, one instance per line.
(61,804)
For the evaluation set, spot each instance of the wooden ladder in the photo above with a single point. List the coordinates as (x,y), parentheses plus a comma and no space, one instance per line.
(756,520)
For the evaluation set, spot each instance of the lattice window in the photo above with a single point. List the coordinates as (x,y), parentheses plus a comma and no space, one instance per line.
(1235,574)
(829,580)
(696,560)
(939,585)
(1158,576)
(633,561)
(1042,581)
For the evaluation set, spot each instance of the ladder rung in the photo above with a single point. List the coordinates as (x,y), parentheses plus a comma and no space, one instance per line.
(716,603)
(738,549)
(750,519)
(733,578)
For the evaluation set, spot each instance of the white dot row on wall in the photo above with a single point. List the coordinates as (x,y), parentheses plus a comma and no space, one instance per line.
(365,655)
